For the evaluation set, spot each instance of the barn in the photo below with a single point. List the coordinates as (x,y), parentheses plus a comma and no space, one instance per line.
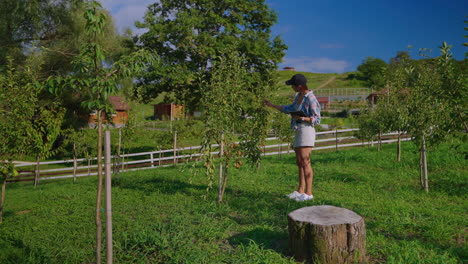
(119,117)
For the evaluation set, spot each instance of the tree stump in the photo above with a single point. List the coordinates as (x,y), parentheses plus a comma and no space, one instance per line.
(327,234)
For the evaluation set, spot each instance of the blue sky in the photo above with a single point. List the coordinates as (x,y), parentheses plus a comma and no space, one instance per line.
(337,35)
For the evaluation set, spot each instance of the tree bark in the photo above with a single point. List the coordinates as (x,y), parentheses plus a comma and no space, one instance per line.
(421,169)
(399,147)
(226,173)
(220,179)
(379,147)
(327,234)
(2,200)
(37,172)
(74,163)
(175,146)
(424,161)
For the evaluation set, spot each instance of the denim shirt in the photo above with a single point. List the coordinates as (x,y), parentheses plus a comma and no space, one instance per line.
(310,106)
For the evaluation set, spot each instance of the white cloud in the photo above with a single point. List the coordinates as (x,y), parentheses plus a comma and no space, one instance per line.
(125,12)
(321,65)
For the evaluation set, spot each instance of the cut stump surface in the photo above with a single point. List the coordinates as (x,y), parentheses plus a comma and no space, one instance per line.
(327,234)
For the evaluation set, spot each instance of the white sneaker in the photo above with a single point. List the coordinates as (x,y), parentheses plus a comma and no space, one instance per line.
(293,195)
(303,197)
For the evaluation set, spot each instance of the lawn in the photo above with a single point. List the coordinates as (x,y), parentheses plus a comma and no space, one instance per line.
(166,215)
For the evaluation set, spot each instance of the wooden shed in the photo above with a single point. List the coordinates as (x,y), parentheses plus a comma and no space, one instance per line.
(168,111)
(324,102)
(119,117)
(374,97)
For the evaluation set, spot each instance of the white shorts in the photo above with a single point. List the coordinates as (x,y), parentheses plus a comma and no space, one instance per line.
(304,136)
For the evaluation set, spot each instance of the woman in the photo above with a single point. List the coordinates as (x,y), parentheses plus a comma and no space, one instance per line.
(305,114)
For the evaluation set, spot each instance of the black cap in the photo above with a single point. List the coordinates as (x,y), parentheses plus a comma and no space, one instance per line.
(297,79)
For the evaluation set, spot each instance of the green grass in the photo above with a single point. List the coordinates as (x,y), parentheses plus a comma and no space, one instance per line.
(313,80)
(342,81)
(160,216)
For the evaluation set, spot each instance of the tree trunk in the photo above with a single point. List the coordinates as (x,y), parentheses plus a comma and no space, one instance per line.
(399,147)
(89,166)
(175,147)
(421,176)
(2,200)
(226,172)
(327,234)
(220,177)
(379,147)
(74,163)
(37,172)
(119,159)
(424,161)
(99,191)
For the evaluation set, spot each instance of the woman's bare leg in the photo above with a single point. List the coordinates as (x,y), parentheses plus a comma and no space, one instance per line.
(306,174)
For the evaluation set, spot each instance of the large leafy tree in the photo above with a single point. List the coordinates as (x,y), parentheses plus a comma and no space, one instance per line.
(49,35)
(373,71)
(24,24)
(188,34)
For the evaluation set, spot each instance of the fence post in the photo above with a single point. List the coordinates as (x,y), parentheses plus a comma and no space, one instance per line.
(160,156)
(152,159)
(336,139)
(108,188)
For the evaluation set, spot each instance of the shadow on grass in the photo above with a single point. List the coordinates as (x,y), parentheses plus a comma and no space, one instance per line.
(18,252)
(341,177)
(449,186)
(457,248)
(268,239)
(166,186)
(268,209)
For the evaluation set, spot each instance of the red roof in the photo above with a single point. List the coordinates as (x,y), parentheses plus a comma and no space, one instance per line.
(323,99)
(118,103)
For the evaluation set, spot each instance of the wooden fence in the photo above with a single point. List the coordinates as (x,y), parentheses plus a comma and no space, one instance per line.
(60,169)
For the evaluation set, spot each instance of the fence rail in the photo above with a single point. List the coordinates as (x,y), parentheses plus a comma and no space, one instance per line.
(160,158)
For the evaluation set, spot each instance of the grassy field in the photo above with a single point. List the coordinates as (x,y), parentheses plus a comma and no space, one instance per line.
(161,215)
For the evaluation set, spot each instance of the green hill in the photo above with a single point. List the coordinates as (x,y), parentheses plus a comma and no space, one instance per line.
(315,80)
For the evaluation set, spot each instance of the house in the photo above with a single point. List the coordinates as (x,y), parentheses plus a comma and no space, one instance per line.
(168,111)
(373,98)
(324,102)
(119,117)
(288,68)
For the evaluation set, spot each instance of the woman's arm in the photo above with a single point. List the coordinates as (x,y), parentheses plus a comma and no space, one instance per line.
(269,104)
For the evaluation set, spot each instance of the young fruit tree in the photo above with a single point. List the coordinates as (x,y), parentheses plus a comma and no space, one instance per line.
(95,78)
(27,125)
(233,115)
(433,103)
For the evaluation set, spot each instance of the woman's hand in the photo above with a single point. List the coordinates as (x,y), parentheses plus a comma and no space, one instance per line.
(296,117)
(267,103)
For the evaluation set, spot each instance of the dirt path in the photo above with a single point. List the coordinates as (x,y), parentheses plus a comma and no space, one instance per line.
(325,83)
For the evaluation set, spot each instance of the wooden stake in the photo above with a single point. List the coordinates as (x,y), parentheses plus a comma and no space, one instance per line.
(99,191)
(108,186)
